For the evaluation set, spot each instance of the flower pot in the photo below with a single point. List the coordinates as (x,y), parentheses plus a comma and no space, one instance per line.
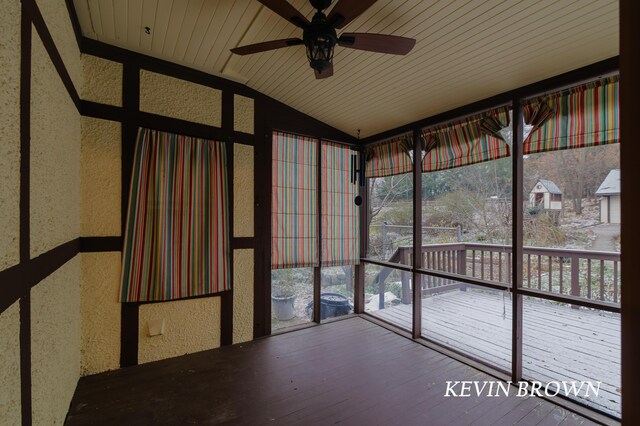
(331,305)
(282,307)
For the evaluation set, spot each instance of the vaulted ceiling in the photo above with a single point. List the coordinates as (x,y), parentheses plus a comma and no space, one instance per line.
(466,50)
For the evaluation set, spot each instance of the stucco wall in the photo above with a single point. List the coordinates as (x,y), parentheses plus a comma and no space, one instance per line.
(55,343)
(58,22)
(242,295)
(243,114)
(100,312)
(101,177)
(102,80)
(190,326)
(172,97)
(242,190)
(55,157)
(10,413)
(10,130)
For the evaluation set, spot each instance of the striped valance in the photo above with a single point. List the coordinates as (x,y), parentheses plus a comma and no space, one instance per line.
(176,241)
(389,158)
(339,218)
(471,140)
(294,206)
(585,115)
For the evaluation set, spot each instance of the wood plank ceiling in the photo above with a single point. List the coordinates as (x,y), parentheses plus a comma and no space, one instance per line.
(466,50)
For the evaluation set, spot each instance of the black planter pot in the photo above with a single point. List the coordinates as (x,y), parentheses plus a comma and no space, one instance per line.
(331,305)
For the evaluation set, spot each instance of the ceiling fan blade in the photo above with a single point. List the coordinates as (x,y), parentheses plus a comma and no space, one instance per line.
(324,74)
(381,43)
(346,11)
(288,12)
(266,45)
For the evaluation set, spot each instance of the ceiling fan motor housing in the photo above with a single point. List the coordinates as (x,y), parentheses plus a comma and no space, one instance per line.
(320,38)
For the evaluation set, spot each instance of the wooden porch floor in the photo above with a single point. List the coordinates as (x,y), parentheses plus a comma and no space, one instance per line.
(349,372)
(559,343)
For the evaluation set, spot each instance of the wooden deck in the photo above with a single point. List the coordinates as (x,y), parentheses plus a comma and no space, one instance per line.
(559,343)
(350,372)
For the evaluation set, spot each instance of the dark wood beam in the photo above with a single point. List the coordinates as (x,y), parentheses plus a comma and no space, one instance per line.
(417,233)
(630,176)
(517,217)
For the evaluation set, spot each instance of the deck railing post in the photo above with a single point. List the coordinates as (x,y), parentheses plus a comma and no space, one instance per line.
(462,265)
(575,278)
(406,290)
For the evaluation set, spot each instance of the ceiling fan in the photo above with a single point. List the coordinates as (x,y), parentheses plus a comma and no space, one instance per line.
(320,38)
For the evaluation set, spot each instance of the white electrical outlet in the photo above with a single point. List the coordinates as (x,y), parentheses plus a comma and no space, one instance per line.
(156,327)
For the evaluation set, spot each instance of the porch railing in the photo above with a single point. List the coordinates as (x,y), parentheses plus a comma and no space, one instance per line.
(588,274)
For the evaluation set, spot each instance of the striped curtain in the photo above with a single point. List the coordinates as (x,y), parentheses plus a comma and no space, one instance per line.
(176,241)
(585,115)
(472,140)
(389,158)
(339,217)
(294,206)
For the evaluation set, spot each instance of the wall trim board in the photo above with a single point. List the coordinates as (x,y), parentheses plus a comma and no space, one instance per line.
(242,242)
(129,319)
(25,359)
(75,23)
(19,279)
(20,288)
(129,312)
(226,317)
(226,300)
(262,223)
(12,286)
(559,81)
(163,123)
(102,111)
(188,128)
(100,244)
(43,31)
(25,132)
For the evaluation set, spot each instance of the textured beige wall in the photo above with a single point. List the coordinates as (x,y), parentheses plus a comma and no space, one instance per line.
(242,190)
(100,311)
(55,157)
(243,114)
(58,22)
(172,97)
(242,295)
(102,80)
(100,157)
(190,326)
(55,343)
(10,131)
(10,413)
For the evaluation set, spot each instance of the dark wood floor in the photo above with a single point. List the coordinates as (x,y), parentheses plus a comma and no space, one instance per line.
(347,372)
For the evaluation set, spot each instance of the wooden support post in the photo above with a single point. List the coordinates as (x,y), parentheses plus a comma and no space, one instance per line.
(358,297)
(317,272)
(516,239)
(417,233)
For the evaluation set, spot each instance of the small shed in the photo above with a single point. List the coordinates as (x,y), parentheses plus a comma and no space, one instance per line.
(547,195)
(609,193)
